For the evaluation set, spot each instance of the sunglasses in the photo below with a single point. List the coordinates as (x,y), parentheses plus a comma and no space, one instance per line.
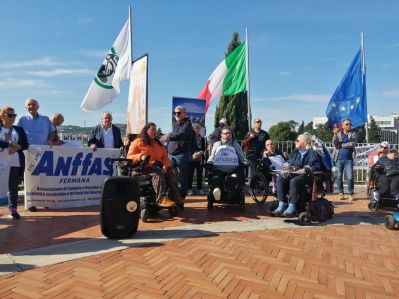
(10,115)
(177,112)
(348,124)
(297,140)
(259,121)
(384,147)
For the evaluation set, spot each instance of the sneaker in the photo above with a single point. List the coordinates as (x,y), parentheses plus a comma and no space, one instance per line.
(166,202)
(201,192)
(190,192)
(341,196)
(32,209)
(217,193)
(14,214)
(351,197)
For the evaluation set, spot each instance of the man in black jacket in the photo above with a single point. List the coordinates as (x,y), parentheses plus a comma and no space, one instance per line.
(388,178)
(180,147)
(105,135)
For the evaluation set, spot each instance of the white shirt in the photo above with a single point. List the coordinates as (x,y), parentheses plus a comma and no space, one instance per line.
(4,136)
(108,137)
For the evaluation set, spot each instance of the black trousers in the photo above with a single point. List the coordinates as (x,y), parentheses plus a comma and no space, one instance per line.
(195,166)
(388,184)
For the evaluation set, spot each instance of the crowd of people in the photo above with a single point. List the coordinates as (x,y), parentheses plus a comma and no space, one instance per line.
(176,156)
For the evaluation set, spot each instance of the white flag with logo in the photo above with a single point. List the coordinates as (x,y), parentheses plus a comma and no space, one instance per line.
(115,68)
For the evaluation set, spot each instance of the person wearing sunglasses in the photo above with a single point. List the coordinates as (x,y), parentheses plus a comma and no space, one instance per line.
(13,139)
(253,145)
(180,147)
(381,152)
(344,142)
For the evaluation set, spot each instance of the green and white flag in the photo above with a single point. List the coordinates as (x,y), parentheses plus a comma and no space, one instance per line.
(115,68)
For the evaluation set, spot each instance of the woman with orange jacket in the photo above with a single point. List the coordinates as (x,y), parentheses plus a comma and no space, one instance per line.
(164,179)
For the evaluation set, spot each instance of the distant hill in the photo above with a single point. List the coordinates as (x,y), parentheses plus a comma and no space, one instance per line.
(77,130)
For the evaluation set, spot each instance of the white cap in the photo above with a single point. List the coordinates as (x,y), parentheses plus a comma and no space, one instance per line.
(384,144)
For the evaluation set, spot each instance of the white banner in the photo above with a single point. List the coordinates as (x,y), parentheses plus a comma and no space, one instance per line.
(62,177)
(137,101)
(4,174)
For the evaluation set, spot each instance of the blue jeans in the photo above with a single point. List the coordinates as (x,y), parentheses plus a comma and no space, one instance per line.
(182,161)
(292,185)
(346,165)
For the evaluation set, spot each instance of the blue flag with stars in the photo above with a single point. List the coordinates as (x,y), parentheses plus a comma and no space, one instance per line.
(349,99)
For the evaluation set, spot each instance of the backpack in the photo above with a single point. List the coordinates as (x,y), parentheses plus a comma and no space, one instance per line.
(321,209)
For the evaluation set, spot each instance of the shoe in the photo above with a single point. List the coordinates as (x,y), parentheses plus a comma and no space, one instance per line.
(190,192)
(32,209)
(377,196)
(166,202)
(280,208)
(341,196)
(290,211)
(217,193)
(14,214)
(200,192)
(351,197)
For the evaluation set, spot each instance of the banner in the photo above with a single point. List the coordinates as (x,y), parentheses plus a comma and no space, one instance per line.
(195,109)
(137,101)
(62,177)
(4,171)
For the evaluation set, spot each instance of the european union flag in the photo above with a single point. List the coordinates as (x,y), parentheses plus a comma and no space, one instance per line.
(349,99)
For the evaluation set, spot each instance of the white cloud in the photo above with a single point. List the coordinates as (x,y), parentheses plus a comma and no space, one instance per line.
(46,61)
(16,83)
(306,97)
(60,72)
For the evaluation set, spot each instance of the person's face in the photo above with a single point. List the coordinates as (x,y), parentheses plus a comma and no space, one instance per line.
(179,115)
(258,123)
(347,125)
(300,143)
(107,120)
(226,135)
(32,107)
(393,156)
(270,146)
(197,130)
(152,132)
(57,122)
(8,117)
(383,149)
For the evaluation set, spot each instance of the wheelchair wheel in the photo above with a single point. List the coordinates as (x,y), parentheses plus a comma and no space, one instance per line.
(304,218)
(389,222)
(144,215)
(373,205)
(259,187)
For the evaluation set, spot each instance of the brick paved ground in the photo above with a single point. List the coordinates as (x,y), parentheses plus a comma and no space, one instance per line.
(341,259)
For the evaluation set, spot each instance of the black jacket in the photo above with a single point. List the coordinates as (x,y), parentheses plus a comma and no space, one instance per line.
(257,144)
(97,138)
(23,142)
(182,137)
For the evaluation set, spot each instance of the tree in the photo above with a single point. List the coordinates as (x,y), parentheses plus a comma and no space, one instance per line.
(309,128)
(374,131)
(323,132)
(282,131)
(159,132)
(234,108)
(360,134)
(301,128)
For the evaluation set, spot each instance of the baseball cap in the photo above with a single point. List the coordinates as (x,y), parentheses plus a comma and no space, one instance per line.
(384,144)
(223,121)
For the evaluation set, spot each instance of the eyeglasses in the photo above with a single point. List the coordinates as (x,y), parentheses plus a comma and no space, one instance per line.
(228,133)
(384,147)
(10,115)
(178,112)
(297,140)
(258,121)
(349,124)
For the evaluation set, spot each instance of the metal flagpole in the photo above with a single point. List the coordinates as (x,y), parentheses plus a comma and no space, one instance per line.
(363,76)
(247,73)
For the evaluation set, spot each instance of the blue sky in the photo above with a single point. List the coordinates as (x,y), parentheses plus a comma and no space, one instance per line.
(299,51)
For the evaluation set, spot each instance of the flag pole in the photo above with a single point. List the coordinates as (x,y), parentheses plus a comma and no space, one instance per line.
(363,78)
(247,73)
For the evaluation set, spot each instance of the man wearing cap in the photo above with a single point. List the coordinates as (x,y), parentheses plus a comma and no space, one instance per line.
(254,143)
(388,178)
(381,152)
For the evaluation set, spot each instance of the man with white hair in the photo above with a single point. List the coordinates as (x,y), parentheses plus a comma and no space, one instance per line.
(38,128)
(105,135)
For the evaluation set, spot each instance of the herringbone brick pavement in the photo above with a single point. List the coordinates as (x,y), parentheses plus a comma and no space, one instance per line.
(344,261)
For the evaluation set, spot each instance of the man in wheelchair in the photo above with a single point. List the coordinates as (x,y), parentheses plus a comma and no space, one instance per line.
(386,172)
(225,167)
(299,168)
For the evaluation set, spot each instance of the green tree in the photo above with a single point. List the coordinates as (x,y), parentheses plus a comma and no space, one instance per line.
(360,134)
(301,128)
(234,108)
(159,132)
(309,128)
(323,132)
(374,131)
(282,131)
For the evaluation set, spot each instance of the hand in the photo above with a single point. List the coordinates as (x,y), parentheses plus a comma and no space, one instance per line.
(164,169)
(164,138)
(143,157)
(13,148)
(93,147)
(251,136)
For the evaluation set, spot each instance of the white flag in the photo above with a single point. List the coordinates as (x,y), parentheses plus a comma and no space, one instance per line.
(115,67)
(137,101)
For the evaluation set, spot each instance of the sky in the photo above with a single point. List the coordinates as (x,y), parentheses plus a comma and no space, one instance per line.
(298,53)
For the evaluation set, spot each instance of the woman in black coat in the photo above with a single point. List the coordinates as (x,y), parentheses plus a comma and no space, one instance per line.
(13,139)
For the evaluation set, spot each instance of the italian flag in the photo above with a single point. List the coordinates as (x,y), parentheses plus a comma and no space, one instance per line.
(228,78)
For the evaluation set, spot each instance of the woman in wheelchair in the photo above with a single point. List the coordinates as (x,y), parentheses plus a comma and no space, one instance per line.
(226,158)
(387,172)
(302,162)
(164,178)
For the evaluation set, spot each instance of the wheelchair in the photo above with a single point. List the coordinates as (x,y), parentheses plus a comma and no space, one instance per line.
(232,190)
(387,200)
(148,204)
(261,184)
